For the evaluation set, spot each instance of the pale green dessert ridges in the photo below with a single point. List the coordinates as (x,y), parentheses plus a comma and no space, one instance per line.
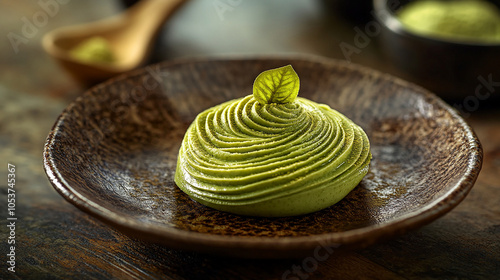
(277,159)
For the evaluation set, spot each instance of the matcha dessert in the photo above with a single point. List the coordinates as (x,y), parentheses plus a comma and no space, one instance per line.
(272,154)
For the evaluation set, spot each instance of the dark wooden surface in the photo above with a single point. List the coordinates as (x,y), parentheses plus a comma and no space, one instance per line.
(54,240)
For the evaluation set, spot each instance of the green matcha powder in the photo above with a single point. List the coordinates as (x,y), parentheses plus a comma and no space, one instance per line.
(466,20)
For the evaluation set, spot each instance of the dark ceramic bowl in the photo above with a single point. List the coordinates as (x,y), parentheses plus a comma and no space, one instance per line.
(112,153)
(451,69)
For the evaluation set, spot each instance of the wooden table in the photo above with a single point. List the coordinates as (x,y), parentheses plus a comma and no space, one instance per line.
(54,240)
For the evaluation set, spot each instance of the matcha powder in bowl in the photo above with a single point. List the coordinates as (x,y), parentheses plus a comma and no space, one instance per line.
(461,20)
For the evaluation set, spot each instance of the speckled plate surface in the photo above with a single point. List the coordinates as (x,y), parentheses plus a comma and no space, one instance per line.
(112,153)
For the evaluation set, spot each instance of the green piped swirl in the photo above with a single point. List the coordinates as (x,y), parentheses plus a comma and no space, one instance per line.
(273,159)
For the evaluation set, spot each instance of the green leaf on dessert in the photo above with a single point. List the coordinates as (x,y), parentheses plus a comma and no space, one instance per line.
(280,85)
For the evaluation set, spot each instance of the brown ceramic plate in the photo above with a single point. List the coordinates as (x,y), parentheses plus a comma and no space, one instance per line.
(113,153)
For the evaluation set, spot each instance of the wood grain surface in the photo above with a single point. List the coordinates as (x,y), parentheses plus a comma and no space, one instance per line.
(55,240)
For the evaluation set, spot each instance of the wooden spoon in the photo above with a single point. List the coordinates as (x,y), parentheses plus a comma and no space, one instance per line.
(130,36)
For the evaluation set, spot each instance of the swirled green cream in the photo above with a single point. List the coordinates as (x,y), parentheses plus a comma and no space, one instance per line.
(272,153)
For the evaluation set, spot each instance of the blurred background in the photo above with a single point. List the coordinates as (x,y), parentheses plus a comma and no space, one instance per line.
(35,89)
(339,29)
(199,27)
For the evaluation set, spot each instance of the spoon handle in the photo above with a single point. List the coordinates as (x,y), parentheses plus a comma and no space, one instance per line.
(151,14)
